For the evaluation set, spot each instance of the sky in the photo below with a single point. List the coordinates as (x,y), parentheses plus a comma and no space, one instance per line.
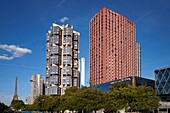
(24,23)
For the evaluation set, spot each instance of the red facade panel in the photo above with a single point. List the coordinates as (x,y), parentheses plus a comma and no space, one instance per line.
(112,47)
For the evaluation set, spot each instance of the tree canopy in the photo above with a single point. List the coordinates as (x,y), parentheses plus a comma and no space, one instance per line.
(17,104)
(121,96)
(3,108)
(124,96)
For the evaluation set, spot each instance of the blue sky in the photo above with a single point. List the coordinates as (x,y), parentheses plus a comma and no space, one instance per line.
(23,27)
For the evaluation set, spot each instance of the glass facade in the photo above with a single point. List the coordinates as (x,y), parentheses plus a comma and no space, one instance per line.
(138,81)
(162,78)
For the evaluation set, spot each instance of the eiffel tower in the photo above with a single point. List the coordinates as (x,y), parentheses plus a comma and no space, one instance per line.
(15,97)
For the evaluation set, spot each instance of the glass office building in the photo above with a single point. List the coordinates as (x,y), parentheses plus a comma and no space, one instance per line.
(162,86)
(135,81)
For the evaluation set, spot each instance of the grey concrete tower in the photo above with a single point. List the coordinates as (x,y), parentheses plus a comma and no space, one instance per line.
(62,59)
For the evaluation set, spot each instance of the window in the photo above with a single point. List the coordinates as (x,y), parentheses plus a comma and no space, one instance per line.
(75,82)
(54,60)
(54,50)
(75,45)
(67,70)
(75,63)
(67,80)
(75,54)
(56,29)
(53,90)
(67,50)
(54,39)
(67,40)
(54,79)
(76,73)
(67,60)
(54,70)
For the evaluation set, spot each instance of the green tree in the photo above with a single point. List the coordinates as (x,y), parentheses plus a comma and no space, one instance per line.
(69,99)
(83,99)
(41,103)
(91,99)
(124,96)
(3,108)
(147,99)
(54,103)
(17,104)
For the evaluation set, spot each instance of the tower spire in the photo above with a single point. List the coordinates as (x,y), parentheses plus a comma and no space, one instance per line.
(15,97)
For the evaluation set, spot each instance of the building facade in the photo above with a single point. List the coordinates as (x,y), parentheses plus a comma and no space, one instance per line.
(112,47)
(138,60)
(62,59)
(82,72)
(134,81)
(162,86)
(36,87)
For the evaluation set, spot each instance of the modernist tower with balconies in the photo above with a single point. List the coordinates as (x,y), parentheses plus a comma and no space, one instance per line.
(62,59)
(112,47)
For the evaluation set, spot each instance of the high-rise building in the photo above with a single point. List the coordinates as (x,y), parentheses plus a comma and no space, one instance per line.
(82,71)
(36,87)
(138,60)
(162,83)
(62,59)
(162,87)
(112,47)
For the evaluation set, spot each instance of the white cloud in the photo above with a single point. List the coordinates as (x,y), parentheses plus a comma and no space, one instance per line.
(64,19)
(6,57)
(16,51)
(6,99)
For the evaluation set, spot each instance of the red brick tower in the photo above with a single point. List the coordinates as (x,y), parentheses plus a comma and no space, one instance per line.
(112,47)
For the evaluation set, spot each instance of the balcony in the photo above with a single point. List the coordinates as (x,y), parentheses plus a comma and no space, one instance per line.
(67,70)
(75,54)
(55,30)
(67,51)
(53,90)
(75,64)
(67,80)
(54,50)
(67,60)
(75,73)
(68,31)
(54,70)
(67,40)
(75,38)
(75,82)
(54,79)
(54,40)
(75,45)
